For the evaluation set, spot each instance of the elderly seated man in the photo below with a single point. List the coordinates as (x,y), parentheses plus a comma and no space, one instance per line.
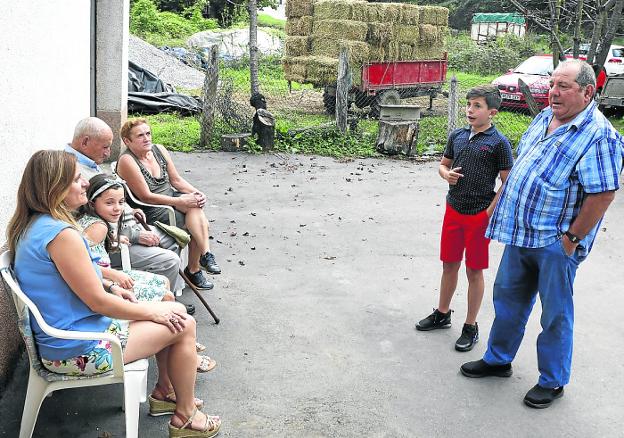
(151,251)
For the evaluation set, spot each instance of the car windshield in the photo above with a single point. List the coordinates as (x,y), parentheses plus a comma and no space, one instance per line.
(536,65)
(618,53)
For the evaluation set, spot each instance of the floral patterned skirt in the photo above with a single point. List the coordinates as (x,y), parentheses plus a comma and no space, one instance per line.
(97,361)
(148,286)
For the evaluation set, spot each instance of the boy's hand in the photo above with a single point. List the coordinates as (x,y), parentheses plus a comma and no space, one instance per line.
(453,176)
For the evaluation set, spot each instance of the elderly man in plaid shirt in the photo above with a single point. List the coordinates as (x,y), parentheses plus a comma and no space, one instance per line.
(551,206)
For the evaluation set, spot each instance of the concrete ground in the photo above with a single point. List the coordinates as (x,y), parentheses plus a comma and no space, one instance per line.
(326,266)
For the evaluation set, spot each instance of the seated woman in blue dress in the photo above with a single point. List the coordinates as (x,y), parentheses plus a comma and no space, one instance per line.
(56,270)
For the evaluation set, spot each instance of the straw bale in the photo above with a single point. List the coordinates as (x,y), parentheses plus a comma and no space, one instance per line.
(295,69)
(299,26)
(360,11)
(406,34)
(380,33)
(427,52)
(358,51)
(297,46)
(332,9)
(322,70)
(443,16)
(392,51)
(389,12)
(298,8)
(435,15)
(340,29)
(410,14)
(377,53)
(428,34)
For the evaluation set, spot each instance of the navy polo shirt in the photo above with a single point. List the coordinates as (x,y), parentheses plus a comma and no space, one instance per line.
(481,158)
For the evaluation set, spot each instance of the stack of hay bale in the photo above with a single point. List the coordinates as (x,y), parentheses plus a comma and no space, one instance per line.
(317,30)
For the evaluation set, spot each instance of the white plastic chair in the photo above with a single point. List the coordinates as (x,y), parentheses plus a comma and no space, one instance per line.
(42,382)
(170,213)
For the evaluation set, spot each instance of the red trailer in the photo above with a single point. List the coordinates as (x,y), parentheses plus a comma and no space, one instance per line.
(388,82)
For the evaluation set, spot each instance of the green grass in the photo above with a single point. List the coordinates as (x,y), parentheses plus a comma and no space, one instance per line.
(618,123)
(175,132)
(270,72)
(266,20)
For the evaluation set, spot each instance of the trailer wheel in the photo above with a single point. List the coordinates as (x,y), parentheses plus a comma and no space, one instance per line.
(329,100)
(387,97)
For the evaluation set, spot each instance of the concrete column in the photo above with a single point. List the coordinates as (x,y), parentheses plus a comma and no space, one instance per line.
(111,88)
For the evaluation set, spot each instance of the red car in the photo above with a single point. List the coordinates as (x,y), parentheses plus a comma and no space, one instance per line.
(535,72)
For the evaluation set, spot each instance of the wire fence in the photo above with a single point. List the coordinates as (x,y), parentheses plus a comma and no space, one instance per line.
(300,108)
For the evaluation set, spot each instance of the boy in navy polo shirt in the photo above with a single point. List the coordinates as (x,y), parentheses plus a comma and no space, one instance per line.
(473,158)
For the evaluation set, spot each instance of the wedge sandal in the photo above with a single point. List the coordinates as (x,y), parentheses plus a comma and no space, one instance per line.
(166,406)
(206,364)
(199,347)
(211,427)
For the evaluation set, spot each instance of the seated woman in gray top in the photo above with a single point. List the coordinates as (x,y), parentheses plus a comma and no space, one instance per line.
(56,270)
(154,179)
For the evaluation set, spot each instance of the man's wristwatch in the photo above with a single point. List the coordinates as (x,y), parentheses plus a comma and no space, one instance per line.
(110,287)
(572,237)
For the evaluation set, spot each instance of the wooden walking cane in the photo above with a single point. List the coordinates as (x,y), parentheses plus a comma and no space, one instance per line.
(184,277)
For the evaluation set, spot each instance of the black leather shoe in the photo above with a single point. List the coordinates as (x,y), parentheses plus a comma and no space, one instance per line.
(480,368)
(190,309)
(539,397)
(468,338)
(434,321)
(198,279)
(207,261)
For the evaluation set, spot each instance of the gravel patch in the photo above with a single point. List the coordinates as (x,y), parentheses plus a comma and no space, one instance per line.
(166,67)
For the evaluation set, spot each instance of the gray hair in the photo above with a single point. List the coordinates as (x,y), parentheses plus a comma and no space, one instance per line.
(91,127)
(585,76)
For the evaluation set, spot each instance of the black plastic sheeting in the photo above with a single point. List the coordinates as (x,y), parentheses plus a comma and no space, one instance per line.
(154,103)
(148,94)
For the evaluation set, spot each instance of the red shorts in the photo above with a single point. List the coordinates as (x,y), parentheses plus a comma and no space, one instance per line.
(461,231)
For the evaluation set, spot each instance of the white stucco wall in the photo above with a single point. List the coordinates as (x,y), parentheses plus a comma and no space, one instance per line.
(44,83)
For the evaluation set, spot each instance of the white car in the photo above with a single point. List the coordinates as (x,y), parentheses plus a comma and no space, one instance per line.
(615,60)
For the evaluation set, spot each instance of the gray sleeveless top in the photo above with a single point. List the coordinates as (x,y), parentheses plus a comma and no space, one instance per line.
(160,186)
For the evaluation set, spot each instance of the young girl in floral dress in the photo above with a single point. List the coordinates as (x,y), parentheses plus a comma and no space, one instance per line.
(100,219)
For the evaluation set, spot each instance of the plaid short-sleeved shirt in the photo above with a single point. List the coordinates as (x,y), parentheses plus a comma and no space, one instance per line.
(551,177)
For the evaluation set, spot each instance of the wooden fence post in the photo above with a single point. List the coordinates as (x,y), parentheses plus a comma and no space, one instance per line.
(343,87)
(453,105)
(209,96)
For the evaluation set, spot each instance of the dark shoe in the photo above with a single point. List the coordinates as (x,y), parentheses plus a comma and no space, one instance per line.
(540,398)
(207,261)
(479,368)
(434,321)
(190,309)
(198,279)
(468,338)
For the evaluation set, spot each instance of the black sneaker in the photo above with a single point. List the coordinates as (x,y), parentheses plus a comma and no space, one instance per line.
(539,397)
(480,368)
(198,279)
(190,309)
(468,338)
(434,321)
(207,261)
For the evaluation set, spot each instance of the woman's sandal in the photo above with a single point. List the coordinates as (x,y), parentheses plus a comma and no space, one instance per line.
(199,347)
(211,427)
(166,405)
(206,364)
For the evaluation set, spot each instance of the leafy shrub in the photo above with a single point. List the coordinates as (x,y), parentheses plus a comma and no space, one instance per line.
(495,57)
(167,28)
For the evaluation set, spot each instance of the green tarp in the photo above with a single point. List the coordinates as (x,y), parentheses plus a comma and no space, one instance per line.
(498,18)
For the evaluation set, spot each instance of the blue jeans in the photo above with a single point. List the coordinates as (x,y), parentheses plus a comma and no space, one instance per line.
(522,274)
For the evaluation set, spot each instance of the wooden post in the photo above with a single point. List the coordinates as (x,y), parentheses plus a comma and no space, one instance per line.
(342,90)
(397,137)
(209,96)
(528,97)
(253,46)
(453,105)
